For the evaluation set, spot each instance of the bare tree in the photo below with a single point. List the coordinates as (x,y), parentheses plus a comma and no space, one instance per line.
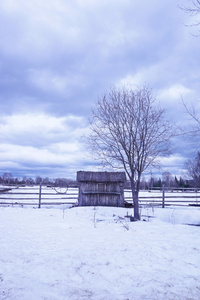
(128,130)
(167,178)
(193,168)
(7,177)
(193,8)
(193,128)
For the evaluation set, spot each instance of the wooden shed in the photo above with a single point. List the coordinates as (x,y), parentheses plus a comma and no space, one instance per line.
(101,188)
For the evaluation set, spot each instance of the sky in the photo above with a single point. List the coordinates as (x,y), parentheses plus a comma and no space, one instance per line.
(57,57)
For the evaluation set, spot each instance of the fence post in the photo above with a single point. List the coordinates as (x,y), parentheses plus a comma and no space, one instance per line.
(163,196)
(40,194)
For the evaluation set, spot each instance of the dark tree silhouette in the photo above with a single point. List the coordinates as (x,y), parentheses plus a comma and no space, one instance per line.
(128,130)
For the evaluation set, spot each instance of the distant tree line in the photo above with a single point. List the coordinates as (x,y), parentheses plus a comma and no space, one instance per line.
(8,178)
(167,180)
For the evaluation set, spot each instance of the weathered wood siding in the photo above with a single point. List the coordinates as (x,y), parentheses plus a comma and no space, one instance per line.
(101,188)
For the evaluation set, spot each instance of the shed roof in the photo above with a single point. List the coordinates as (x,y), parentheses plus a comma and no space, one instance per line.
(101,176)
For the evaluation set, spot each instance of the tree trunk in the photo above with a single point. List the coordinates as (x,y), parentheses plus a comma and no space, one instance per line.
(135,193)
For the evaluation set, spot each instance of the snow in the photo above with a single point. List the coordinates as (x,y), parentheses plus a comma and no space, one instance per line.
(96,253)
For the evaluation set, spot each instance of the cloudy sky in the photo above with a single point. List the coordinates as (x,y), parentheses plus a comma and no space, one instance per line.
(58,56)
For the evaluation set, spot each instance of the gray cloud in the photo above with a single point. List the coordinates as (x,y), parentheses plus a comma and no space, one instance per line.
(57,57)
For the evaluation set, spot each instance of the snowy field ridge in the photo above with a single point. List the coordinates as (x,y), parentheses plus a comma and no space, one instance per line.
(95,253)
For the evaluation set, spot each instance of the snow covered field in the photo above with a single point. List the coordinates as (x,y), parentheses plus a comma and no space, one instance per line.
(86,253)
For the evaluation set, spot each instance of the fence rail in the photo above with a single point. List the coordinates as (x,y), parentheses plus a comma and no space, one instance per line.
(37,196)
(46,196)
(166,197)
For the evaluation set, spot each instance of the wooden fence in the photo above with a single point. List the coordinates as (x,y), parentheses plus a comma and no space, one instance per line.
(37,196)
(166,197)
(50,196)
